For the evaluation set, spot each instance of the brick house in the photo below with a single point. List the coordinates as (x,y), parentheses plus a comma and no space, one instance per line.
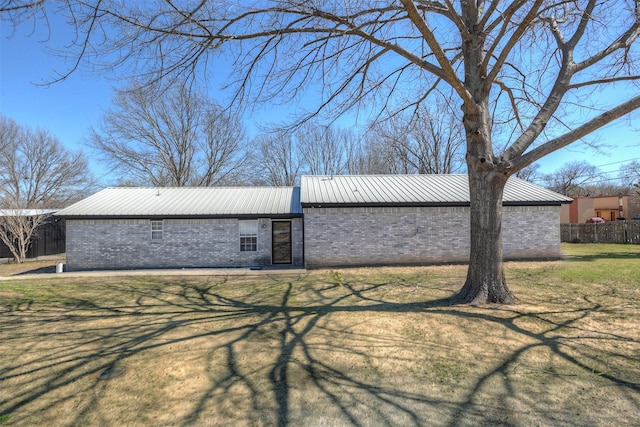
(131,228)
(327,221)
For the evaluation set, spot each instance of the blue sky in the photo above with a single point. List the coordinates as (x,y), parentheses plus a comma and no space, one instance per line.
(68,108)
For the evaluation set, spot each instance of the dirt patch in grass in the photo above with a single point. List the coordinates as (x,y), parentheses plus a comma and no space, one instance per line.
(345,347)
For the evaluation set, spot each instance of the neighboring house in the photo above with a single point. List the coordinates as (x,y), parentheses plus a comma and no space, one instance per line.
(609,208)
(327,221)
(47,239)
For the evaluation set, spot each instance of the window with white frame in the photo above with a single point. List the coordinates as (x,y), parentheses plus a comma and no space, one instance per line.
(248,235)
(156,229)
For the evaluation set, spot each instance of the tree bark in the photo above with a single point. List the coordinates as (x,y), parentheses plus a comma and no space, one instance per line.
(488,175)
(485,281)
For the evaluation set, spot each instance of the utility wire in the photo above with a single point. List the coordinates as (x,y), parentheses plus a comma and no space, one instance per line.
(617,163)
(600,174)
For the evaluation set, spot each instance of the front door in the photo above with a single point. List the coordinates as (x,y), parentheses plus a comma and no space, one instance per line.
(281,242)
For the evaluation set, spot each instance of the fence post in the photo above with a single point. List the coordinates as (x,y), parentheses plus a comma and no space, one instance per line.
(626,235)
(608,232)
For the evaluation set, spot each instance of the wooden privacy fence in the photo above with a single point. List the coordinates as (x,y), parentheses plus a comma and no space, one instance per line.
(608,232)
(48,239)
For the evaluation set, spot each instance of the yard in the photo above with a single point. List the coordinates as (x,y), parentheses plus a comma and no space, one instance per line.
(364,347)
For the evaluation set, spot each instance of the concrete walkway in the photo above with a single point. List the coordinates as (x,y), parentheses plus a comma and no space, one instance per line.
(159,272)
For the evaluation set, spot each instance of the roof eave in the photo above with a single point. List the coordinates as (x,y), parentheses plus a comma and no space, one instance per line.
(203,216)
(428,204)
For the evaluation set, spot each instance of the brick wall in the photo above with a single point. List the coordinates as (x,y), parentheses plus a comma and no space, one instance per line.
(332,237)
(297,242)
(126,243)
(414,235)
(530,232)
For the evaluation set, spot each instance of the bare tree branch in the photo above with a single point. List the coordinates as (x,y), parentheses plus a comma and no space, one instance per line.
(36,173)
(577,133)
(172,137)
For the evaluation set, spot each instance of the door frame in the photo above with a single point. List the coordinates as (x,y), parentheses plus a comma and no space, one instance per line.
(290,222)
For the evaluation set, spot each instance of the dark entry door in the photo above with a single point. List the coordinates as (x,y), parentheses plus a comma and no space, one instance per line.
(281,242)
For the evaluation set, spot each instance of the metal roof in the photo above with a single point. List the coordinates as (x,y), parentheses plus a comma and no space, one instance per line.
(187,202)
(349,190)
(26,212)
(412,190)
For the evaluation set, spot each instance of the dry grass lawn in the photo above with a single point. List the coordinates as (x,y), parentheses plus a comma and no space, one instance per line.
(363,347)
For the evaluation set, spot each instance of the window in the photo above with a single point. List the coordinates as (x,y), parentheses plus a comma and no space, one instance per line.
(156,229)
(248,235)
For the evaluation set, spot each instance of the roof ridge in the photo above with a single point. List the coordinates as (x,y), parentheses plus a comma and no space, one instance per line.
(384,175)
(235,187)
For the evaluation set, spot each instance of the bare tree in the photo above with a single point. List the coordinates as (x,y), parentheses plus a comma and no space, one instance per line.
(276,159)
(530,173)
(389,147)
(371,155)
(280,156)
(173,137)
(524,72)
(630,173)
(324,149)
(385,149)
(36,173)
(579,178)
(573,178)
(17,228)
(439,143)
(429,141)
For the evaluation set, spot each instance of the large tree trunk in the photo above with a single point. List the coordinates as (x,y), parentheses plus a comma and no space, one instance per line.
(487,176)
(485,278)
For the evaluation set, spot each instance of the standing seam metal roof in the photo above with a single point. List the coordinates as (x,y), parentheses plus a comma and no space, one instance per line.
(362,190)
(412,189)
(188,201)
(26,212)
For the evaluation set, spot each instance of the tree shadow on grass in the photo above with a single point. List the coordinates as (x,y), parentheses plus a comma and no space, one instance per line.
(290,351)
(604,256)
(555,339)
